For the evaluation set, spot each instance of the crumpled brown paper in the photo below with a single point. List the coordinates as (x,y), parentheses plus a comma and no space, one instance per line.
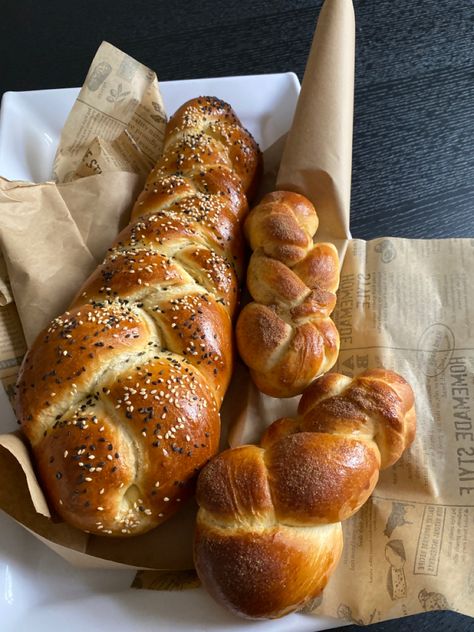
(53,235)
(117,122)
(318,153)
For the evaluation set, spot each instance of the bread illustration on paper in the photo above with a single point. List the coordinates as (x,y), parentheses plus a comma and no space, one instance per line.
(119,397)
(345,612)
(432,600)
(396,580)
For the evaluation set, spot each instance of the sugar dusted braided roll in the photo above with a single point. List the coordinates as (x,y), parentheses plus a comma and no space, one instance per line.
(286,335)
(269,525)
(120,396)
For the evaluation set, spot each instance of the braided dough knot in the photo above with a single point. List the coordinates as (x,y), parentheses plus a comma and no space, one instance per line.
(286,335)
(269,524)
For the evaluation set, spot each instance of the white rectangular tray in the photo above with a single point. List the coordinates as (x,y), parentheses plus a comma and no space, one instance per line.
(38,589)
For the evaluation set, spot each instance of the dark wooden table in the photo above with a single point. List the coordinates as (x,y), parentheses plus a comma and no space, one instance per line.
(414,131)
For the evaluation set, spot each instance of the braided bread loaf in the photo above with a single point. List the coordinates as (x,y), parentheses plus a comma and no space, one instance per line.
(286,336)
(269,525)
(119,397)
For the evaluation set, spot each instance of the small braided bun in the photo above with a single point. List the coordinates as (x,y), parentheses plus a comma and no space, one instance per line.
(286,336)
(269,525)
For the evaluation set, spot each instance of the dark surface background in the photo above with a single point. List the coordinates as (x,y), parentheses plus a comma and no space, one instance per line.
(414,100)
(413,165)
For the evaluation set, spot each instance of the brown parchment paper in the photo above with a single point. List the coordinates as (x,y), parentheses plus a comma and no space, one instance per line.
(52,236)
(318,153)
(410,548)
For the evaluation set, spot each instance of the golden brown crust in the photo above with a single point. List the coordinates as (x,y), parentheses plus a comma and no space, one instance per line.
(268,529)
(119,397)
(235,486)
(63,365)
(266,573)
(377,401)
(282,225)
(283,358)
(116,464)
(318,478)
(319,268)
(286,336)
(217,120)
(203,219)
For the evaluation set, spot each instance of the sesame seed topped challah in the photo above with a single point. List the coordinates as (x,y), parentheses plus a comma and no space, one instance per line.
(119,397)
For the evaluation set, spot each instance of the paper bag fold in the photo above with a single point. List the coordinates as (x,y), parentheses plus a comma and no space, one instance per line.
(117,122)
(318,154)
(52,237)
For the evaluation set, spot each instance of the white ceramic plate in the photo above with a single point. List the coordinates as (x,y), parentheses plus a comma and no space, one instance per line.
(38,589)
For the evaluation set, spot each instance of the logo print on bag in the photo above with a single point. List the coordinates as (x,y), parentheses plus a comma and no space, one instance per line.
(98,75)
(387,250)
